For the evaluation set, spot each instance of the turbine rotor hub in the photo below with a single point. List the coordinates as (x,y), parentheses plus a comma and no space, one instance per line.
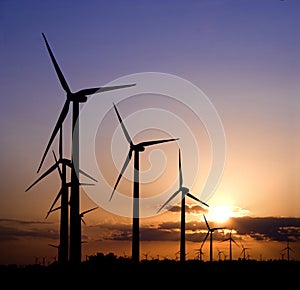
(138,148)
(77,97)
(185,190)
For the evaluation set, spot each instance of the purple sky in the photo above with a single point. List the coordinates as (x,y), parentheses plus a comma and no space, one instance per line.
(243,54)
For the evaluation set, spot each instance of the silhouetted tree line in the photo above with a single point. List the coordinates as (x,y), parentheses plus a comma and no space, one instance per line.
(111,270)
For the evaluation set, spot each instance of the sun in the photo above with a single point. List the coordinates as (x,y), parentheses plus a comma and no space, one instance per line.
(219,214)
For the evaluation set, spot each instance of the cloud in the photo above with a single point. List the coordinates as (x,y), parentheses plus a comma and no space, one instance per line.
(258,228)
(269,228)
(22,222)
(14,229)
(194,209)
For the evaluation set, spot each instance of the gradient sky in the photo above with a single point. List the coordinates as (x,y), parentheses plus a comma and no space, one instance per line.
(244,55)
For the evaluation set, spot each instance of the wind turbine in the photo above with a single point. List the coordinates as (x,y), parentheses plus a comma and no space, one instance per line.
(287,249)
(85,212)
(219,254)
(200,253)
(76,98)
(184,192)
(146,255)
(210,233)
(243,252)
(135,149)
(58,249)
(230,239)
(64,195)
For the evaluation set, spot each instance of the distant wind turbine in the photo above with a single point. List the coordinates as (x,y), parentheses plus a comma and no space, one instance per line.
(288,249)
(220,253)
(243,252)
(76,98)
(184,192)
(200,253)
(136,149)
(210,233)
(57,247)
(230,239)
(85,212)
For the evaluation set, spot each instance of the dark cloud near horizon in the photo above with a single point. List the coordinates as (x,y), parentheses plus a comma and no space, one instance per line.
(14,230)
(269,228)
(264,228)
(272,228)
(17,221)
(188,209)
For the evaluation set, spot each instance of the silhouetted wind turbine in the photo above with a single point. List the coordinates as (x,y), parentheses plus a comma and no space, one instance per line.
(64,195)
(136,149)
(219,254)
(184,192)
(58,249)
(76,98)
(243,252)
(210,233)
(288,249)
(200,253)
(146,255)
(230,239)
(85,212)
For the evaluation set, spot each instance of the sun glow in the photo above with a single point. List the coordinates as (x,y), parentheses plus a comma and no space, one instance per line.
(219,213)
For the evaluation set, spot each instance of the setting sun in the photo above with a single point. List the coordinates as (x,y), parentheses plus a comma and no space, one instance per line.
(219,213)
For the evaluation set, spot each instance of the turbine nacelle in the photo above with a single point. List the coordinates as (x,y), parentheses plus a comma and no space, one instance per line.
(76,97)
(137,147)
(184,190)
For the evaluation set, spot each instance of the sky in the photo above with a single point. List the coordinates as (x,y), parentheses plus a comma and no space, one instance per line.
(226,83)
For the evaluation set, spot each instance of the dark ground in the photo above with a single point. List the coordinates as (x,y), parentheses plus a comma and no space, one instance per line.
(108,271)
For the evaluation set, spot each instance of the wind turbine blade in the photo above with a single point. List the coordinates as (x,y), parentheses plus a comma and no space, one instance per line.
(197,199)
(148,143)
(235,242)
(60,148)
(86,184)
(55,209)
(59,123)
(87,175)
(58,168)
(92,91)
(84,212)
(180,171)
(83,221)
(123,127)
(171,197)
(121,172)
(57,69)
(204,239)
(206,222)
(54,202)
(52,168)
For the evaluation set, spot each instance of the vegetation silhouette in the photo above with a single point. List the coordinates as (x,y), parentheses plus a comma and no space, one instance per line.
(110,269)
